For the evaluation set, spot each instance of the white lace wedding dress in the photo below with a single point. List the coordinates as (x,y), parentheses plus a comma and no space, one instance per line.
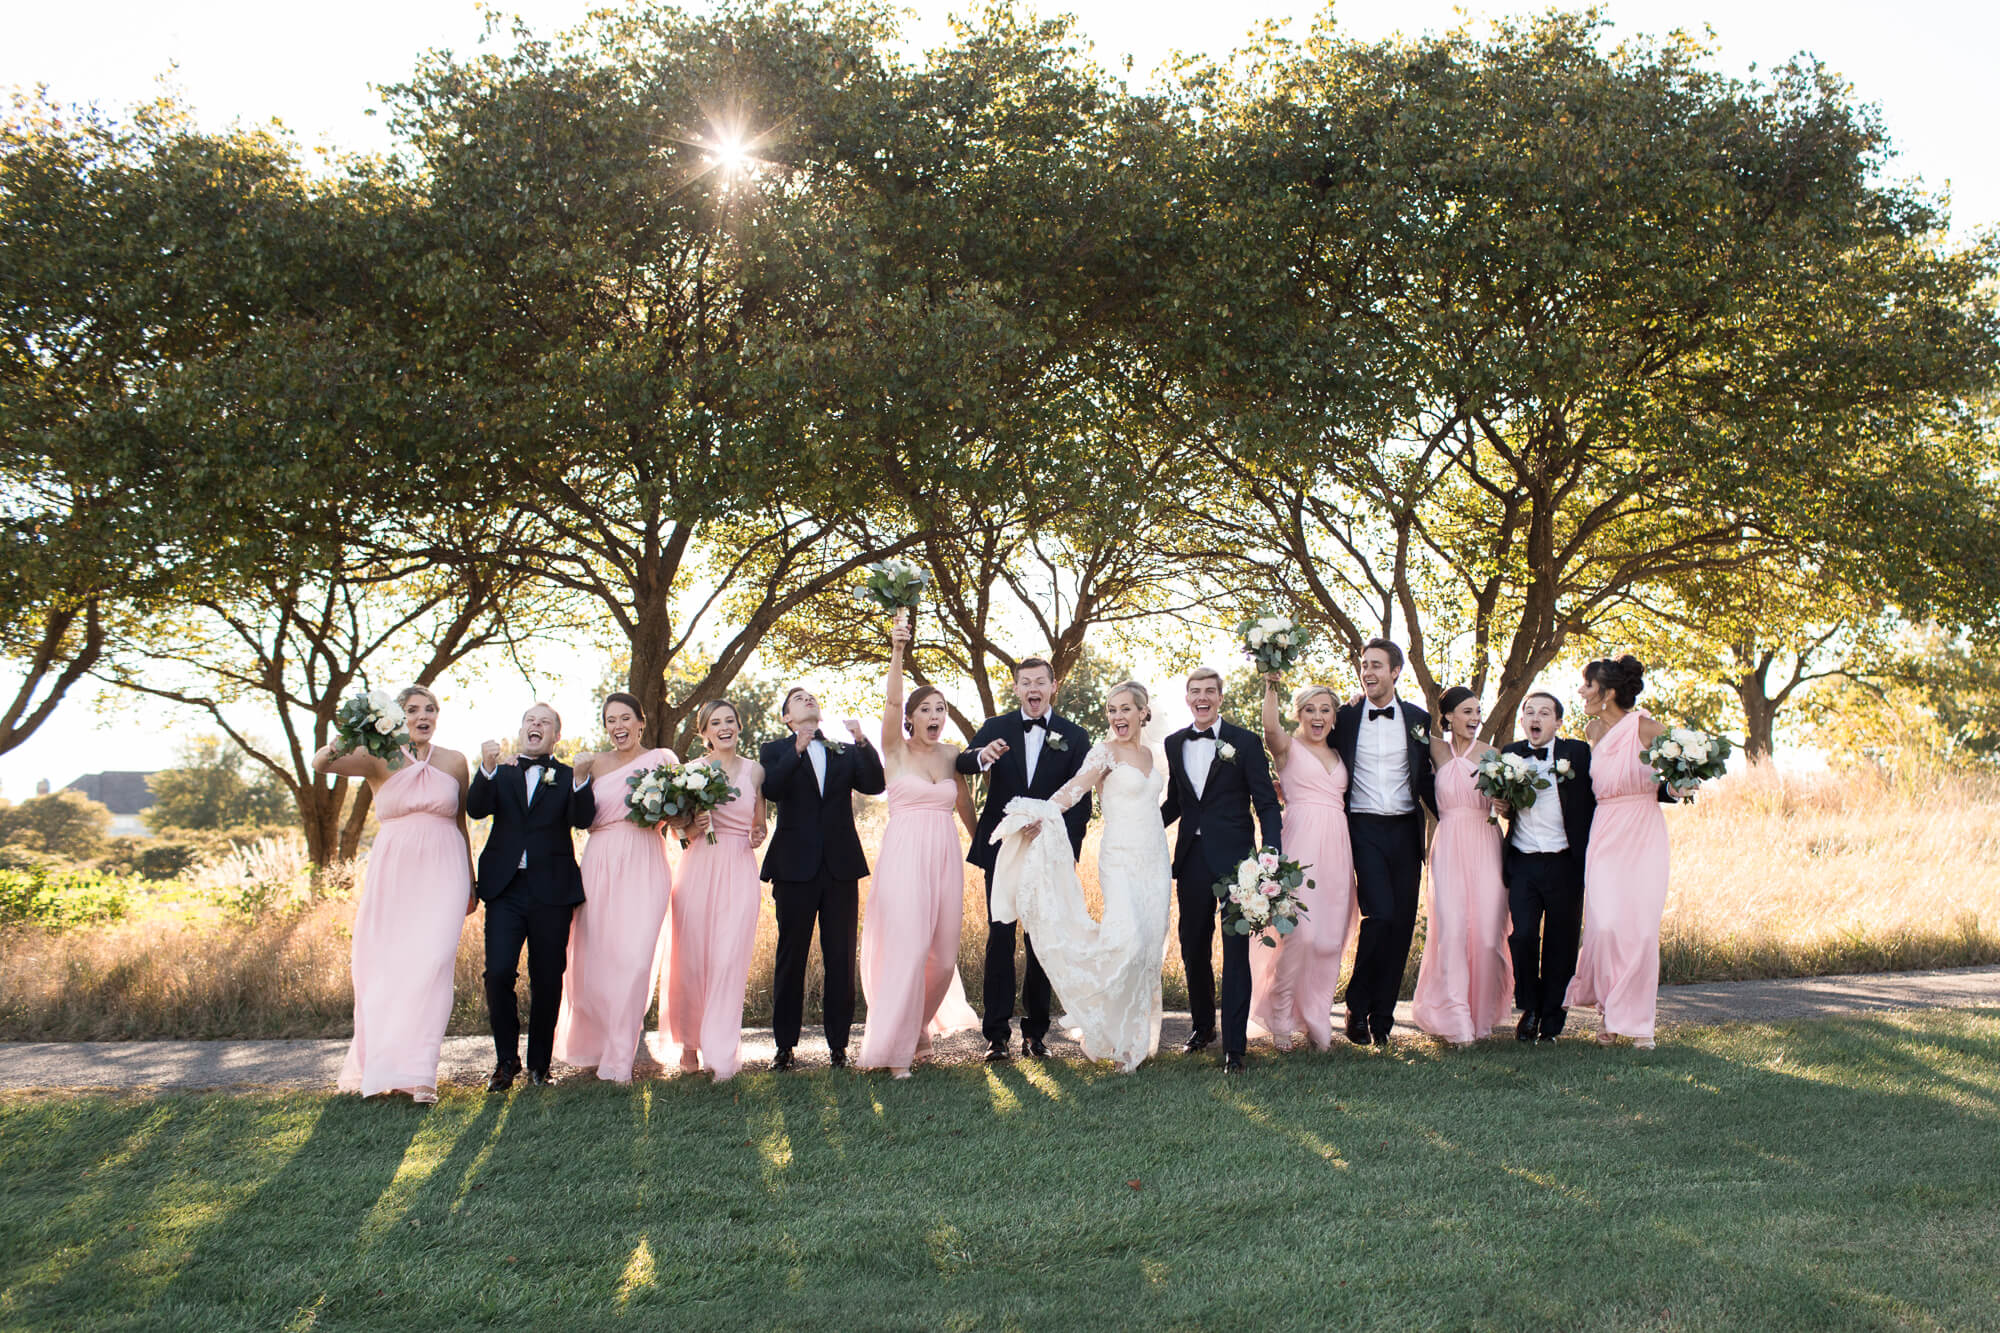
(1107,974)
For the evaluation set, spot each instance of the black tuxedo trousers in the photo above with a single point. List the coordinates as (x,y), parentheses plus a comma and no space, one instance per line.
(1545,902)
(1388,868)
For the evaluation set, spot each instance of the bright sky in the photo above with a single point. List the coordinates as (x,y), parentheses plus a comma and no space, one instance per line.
(1926,63)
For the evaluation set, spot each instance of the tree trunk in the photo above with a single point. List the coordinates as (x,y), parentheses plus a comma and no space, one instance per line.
(1760,714)
(357,819)
(319,818)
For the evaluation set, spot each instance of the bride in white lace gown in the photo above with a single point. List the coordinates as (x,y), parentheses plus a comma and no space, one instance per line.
(1106,973)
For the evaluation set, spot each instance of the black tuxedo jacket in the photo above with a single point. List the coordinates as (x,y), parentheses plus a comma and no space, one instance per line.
(541,829)
(816,828)
(1579,800)
(1215,833)
(1009,778)
(1347,735)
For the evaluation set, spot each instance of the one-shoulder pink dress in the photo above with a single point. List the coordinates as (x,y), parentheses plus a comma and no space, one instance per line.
(1624,887)
(909,939)
(1292,986)
(413,895)
(1465,983)
(714,934)
(608,985)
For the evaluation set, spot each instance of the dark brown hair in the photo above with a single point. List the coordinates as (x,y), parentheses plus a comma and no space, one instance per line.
(915,701)
(1449,701)
(620,697)
(1544,694)
(1030,663)
(1394,653)
(1625,678)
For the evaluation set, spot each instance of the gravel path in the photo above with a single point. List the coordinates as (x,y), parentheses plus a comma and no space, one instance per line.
(467,1060)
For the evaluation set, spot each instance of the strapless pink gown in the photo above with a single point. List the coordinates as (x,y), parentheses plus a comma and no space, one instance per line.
(909,939)
(1624,887)
(1465,983)
(1292,987)
(413,895)
(714,934)
(612,938)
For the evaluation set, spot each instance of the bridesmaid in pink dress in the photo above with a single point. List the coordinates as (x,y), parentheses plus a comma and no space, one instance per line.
(909,939)
(608,984)
(1292,986)
(1625,866)
(1465,983)
(715,909)
(416,893)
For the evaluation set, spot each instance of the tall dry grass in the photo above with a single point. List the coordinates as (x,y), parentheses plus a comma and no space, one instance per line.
(1773,876)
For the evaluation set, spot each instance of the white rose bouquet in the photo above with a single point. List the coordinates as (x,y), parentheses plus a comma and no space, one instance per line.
(895,585)
(369,721)
(1684,757)
(1262,897)
(1272,642)
(1512,778)
(676,791)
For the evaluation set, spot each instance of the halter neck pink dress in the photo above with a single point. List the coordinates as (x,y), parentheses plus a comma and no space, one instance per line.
(714,934)
(1465,983)
(1292,986)
(1624,887)
(909,938)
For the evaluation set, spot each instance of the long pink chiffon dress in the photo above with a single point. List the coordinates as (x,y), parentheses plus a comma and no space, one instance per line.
(1465,983)
(909,939)
(413,895)
(714,933)
(1624,887)
(1292,986)
(612,939)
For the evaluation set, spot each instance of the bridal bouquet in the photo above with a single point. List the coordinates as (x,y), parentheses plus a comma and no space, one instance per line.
(895,585)
(368,721)
(1684,757)
(1513,778)
(1262,897)
(676,791)
(1272,642)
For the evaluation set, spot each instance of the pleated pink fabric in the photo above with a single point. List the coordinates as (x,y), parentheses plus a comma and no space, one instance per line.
(1465,983)
(1624,887)
(909,940)
(1292,987)
(714,933)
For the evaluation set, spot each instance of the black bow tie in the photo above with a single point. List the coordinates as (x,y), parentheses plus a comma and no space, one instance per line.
(1539,753)
(528,761)
(1208,735)
(1030,723)
(1374,713)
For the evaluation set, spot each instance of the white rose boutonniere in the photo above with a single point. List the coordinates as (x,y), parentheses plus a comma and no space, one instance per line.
(1053,739)
(1225,752)
(1422,737)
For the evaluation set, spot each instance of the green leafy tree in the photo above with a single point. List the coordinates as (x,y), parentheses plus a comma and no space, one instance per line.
(208,789)
(65,824)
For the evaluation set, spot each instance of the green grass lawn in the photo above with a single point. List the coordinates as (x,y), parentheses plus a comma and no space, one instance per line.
(1834,1174)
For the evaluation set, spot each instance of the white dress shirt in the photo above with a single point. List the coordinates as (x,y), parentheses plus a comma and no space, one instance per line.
(816,751)
(1031,744)
(535,774)
(1539,828)
(1380,783)
(1198,757)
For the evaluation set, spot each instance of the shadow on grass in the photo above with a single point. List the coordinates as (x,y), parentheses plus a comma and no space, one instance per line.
(1799,1176)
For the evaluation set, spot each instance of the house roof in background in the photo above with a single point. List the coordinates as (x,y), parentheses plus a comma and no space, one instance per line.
(122,793)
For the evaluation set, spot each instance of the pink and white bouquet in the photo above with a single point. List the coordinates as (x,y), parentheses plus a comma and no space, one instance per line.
(1272,642)
(1262,897)
(676,791)
(1513,778)
(369,721)
(895,585)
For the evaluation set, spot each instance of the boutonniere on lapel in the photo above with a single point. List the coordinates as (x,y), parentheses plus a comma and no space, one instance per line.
(1421,736)
(833,746)
(1053,740)
(1563,771)
(1225,752)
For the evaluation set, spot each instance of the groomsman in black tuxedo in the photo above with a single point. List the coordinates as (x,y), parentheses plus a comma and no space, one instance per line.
(815,865)
(1542,865)
(1384,743)
(530,884)
(1217,773)
(1028,752)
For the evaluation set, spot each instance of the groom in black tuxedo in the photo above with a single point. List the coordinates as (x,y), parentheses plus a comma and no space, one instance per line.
(815,865)
(1383,741)
(1217,772)
(1542,866)
(1028,752)
(530,884)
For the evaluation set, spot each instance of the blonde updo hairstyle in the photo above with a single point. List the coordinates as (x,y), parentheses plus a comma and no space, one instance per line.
(1308,694)
(415,691)
(1140,697)
(706,714)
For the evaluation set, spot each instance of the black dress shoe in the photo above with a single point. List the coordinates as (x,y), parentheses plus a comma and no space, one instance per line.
(1529,1027)
(541,1078)
(503,1078)
(996,1051)
(1197,1041)
(1382,1038)
(1357,1029)
(1034,1046)
(1232,1064)
(783,1059)
(1552,1024)
(837,1058)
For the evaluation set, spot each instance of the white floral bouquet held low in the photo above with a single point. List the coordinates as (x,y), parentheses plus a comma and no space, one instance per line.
(1272,642)
(676,791)
(1262,897)
(1512,778)
(895,585)
(369,721)
(1686,758)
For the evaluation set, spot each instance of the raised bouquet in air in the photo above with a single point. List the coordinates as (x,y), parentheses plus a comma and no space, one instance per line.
(369,721)
(1262,897)
(1513,778)
(1272,642)
(895,585)
(676,791)
(1684,757)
